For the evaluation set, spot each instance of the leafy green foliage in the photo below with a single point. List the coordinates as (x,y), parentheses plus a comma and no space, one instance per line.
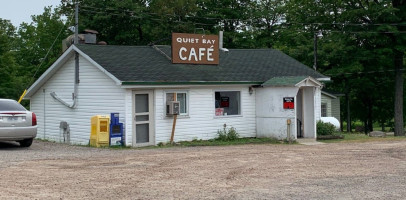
(227,134)
(325,128)
(23,50)
(362,42)
(36,39)
(359,45)
(9,68)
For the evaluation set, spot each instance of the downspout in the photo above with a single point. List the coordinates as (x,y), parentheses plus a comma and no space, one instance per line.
(75,86)
(45,119)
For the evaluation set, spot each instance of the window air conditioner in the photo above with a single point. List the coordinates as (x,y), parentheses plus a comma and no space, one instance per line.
(172,108)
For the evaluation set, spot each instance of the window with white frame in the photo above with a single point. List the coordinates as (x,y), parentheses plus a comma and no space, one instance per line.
(324,110)
(181,97)
(227,103)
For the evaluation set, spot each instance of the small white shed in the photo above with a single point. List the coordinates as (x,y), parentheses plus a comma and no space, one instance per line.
(330,104)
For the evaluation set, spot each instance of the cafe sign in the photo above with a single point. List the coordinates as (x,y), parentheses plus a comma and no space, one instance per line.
(195,49)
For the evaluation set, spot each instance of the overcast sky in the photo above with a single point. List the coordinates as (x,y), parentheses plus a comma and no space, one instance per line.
(18,11)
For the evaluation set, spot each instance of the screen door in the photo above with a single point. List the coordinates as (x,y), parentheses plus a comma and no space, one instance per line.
(143,118)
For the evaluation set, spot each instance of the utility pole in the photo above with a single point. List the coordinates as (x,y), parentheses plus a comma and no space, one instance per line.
(76,40)
(315,51)
(347,98)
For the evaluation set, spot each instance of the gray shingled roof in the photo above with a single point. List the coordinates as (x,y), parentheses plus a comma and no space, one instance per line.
(138,64)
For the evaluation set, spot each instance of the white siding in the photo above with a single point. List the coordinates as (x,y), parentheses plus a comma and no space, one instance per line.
(98,94)
(327,100)
(311,111)
(271,116)
(38,105)
(317,103)
(128,123)
(335,108)
(202,122)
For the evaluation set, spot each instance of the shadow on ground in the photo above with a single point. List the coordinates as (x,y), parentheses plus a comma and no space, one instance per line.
(10,146)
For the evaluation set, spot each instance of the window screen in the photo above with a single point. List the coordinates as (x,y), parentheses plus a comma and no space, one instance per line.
(324,110)
(181,97)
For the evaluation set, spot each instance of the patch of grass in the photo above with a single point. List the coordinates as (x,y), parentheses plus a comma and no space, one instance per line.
(44,140)
(361,137)
(196,142)
(330,137)
(230,142)
(119,147)
(214,142)
(387,128)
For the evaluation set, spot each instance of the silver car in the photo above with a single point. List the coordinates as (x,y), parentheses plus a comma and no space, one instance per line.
(17,123)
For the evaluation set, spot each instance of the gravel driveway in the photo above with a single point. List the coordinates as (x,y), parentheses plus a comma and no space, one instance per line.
(373,170)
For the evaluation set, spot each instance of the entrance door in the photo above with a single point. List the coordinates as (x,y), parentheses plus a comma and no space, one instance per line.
(143,129)
(307,117)
(299,113)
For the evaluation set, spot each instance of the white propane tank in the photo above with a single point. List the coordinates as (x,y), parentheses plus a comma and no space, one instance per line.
(331,120)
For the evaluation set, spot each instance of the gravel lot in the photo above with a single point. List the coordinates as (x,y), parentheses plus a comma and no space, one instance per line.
(373,170)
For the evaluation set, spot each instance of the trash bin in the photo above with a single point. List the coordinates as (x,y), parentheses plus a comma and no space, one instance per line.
(116,130)
(100,130)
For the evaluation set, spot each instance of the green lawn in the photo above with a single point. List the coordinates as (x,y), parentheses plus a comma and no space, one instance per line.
(360,137)
(213,142)
(238,141)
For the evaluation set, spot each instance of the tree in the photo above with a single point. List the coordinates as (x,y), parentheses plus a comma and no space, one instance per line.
(231,16)
(173,16)
(267,15)
(362,47)
(399,49)
(10,80)
(126,22)
(359,38)
(39,44)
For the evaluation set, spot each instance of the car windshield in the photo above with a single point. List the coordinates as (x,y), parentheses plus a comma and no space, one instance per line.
(11,106)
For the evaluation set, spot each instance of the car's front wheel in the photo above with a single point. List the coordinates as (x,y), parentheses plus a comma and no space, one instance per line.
(26,142)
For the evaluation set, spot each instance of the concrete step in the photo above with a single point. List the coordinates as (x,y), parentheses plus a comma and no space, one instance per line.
(308,141)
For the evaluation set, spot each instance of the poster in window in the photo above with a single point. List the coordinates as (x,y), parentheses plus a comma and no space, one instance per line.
(288,102)
(219,111)
(225,102)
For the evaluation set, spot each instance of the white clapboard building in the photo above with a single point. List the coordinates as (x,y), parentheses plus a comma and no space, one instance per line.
(256,91)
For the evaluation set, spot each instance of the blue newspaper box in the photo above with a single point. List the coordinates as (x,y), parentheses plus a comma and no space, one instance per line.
(116,130)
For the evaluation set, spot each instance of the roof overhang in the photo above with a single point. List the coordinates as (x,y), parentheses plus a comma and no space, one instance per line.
(326,79)
(190,83)
(309,81)
(332,95)
(328,94)
(58,64)
(292,81)
(133,85)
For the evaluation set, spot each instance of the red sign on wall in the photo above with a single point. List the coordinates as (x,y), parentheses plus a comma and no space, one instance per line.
(288,103)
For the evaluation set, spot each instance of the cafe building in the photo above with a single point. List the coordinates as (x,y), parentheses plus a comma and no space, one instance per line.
(195,83)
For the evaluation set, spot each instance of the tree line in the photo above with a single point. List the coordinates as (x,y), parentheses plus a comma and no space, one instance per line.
(361,45)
